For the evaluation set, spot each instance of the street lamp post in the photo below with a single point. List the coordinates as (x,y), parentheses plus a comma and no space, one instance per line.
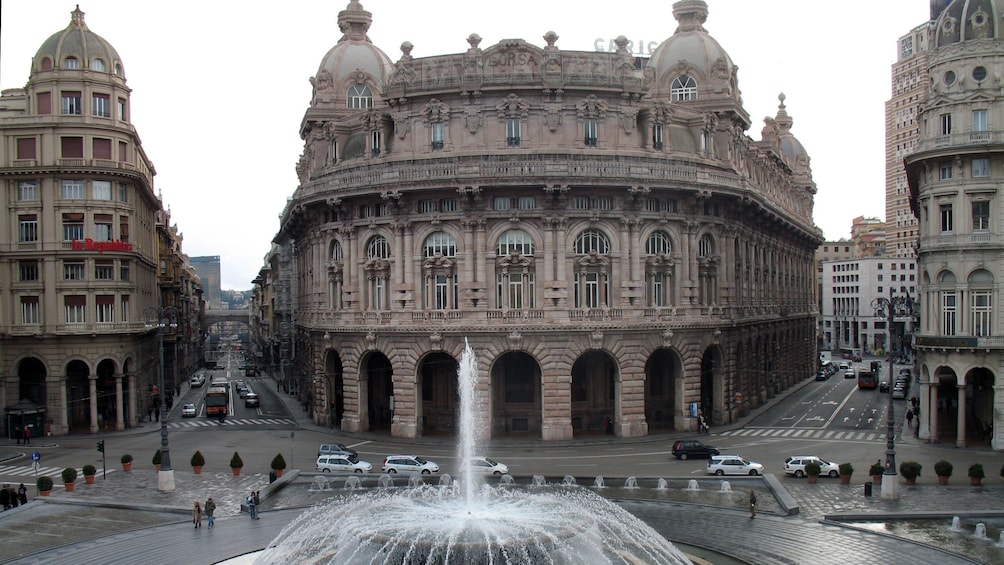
(888,307)
(163,318)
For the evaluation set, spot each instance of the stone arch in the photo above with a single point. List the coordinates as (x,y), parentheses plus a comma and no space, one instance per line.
(438,401)
(593,391)
(979,400)
(711,398)
(379,379)
(78,394)
(31,375)
(334,386)
(105,389)
(516,395)
(663,370)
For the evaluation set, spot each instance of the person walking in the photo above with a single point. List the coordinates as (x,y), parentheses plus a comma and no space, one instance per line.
(257,504)
(210,508)
(5,498)
(22,494)
(197,514)
(252,506)
(752,504)
(27,435)
(909,418)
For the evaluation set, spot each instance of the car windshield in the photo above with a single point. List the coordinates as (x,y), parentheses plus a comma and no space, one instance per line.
(490,462)
(420,461)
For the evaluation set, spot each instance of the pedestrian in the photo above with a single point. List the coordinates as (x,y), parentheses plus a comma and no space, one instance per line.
(752,504)
(17,434)
(608,426)
(5,498)
(13,497)
(197,515)
(210,508)
(909,419)
(27,435)
(251,506)
(22,494)
(257,504)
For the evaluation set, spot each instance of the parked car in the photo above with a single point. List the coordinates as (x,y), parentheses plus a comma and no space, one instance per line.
(188,411)
(198,380)
(733,465)
(686,448)
(849,374)
(488,466)
(795,465)
(335,449)
(884,386)
(822,375)
(341,464)
(409,464)
(857,358)
(251,399)
(899,392)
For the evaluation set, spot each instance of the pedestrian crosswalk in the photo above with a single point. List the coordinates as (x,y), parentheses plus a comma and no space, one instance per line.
(28,472)
(806,433)
(213,423)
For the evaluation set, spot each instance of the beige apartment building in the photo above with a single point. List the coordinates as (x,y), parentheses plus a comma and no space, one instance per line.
(86,249)
(955,179)
(601,230)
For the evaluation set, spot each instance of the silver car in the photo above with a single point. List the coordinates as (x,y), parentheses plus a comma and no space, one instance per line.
(733,465)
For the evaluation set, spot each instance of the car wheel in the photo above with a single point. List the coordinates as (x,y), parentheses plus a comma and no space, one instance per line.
(359,471)
(325,470)
(497,473)
(799,474)
(392,471)
(753,473)
(683,456)
(834,474)
(426,472)
(719,472)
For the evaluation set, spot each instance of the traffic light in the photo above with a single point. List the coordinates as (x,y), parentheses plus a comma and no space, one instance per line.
(101,446)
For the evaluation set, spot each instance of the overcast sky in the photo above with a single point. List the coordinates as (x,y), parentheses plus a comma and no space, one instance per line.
(219,87)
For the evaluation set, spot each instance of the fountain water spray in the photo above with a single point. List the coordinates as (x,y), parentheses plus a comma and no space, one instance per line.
(471,423)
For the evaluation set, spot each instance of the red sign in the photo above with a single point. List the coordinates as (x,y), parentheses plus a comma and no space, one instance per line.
(100,246)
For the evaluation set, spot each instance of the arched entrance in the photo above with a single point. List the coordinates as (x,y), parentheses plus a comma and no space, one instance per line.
(516,395)
(948,405)
(335,388)
(661,373)
(78,395)
(979,406)
(380,381)
(593,391)
(107,413)
(438,381)
(711,400)
(31,375)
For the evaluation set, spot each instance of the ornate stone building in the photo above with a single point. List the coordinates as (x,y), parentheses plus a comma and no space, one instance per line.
(955,192)
(86,249)
(602,231)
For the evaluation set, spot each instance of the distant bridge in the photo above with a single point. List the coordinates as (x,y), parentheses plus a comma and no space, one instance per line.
(240,316)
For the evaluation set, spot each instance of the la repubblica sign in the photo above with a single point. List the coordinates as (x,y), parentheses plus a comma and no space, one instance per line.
(100,246)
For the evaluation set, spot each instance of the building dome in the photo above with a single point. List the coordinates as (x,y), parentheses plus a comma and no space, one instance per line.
(692,52)
(966,20)
(791,147)
(354,51)
(77,45)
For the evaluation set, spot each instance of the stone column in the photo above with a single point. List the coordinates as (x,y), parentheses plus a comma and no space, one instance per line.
(932,409)
(119,412)
(134,415)
(92,391)
(960,436)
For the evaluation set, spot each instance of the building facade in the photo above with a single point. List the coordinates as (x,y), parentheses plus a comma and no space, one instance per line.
(607,238)
(209,270)
(955,179)
(86,249)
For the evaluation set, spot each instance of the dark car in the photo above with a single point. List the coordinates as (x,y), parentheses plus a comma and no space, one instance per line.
(884,386)
(687,448)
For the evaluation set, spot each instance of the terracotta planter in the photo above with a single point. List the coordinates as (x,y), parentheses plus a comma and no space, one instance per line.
(813,478)
(45,492)
(910,481)
(845,479)
(975,481)
(127,467)
(157,466)
(942,480)
(876,479)
(89,479)
(197,469)
(236,470)
(69,486)
(278,472)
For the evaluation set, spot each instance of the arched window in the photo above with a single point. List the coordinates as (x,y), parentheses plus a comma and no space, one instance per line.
(515,240)
(981,302)
(706,247)
(359,97)
(71,63)
(441,243)
(335,276)
(949,303)
(515,282)
(118,69)
(378,248)
(439,270)
(658,244)
(684,88)
(592,241)
(98,65)
(659,269)
(336,251)
(707,264)
(592,270)
(377,269)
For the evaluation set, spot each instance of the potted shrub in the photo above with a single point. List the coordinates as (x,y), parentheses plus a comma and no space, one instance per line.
(89,472)
(236,463)
(876,471)
(197,462)
(278,464)
(910,471)
(812,471)
(846,470)
(69,475)
(44,485)
(976,474)
(126,462)
(156,459)
(944,470)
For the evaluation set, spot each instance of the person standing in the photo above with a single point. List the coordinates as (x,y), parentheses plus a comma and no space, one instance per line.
(257,503)
(17,434)
(252,506)
(752,504)
(27,435)
(5,498)
(22,494)
(210,508)
(197,514)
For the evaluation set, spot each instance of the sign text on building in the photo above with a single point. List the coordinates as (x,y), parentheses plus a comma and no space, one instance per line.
(100,246)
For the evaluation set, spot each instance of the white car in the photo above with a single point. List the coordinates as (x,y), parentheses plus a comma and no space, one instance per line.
(795,465)
(488,466)
(188,411)
(409,464)
(341,464)
(198,380)
(733,465)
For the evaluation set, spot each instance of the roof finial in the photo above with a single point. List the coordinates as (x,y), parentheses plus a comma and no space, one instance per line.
(77,18)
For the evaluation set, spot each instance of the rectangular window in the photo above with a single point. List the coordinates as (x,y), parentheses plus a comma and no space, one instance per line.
(102,190)
(589,132)
(29,310)
(125,308)
(949,313)
(580,202)
(72,189)
(604,203)
(513,131)
(441,291)
(981,215)
(947,218)
(448,205)
(515,291)
(981,168)
(44,102)
(104,270)
(375,142)
(105,308)
(73,226)
(591,289)
(75,308)
(527,203)
(124,228)
(123,152)
(73,270)
(102,105)
(27,190)
(71,103)
(657,134)
(71,147)
(122,109)
(945,170)
(124,271)
(426,206)
(946,124)
(26,148)
(982,313)
(501,203)
(28,271)
(103,227)
(102,149)
(438,132)
(366,211)
(27,228)
(123,192)
(658,290)
(980,121)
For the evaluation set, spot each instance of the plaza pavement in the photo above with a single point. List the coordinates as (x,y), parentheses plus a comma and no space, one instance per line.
(125,520)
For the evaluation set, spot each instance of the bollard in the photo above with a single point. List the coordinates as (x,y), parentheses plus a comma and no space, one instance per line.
(868,488)
(271,479)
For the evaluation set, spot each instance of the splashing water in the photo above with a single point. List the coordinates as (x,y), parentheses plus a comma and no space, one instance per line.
(506,480)
(598,482)
(726,486)
(538,481)
(662,484)
(981,531)
(631,482)
(415,481)
(385,481)
(956,524)
(692,485)
(353,483)
(568,481)
(320,484)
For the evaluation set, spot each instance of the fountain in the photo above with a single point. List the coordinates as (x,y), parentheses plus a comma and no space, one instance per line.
(662,484)
(726,487)
(320,484)
(353,483)
(445,480)
(981,531)
(956,524)
(631,482)
(385,481)
(506,480)
(692,485)
(415,481)
(597,482)
(470,522)
(538,481)
(1001,542)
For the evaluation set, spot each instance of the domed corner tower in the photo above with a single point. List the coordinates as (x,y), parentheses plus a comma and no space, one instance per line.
(792,150)
(77,48)
(345,89)
(692,69)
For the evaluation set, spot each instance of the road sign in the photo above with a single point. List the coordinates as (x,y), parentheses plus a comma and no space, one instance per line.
(35,456)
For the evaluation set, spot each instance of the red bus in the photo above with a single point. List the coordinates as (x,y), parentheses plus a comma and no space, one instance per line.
(217,400)
(867,379)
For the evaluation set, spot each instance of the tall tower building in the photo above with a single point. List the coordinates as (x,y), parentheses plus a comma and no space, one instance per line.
(208,269)
(909,87)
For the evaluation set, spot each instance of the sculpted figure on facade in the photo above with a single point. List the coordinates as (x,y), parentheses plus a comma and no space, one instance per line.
(591,107)
(512,106)
(435,111)
(472,118)
(552,115)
